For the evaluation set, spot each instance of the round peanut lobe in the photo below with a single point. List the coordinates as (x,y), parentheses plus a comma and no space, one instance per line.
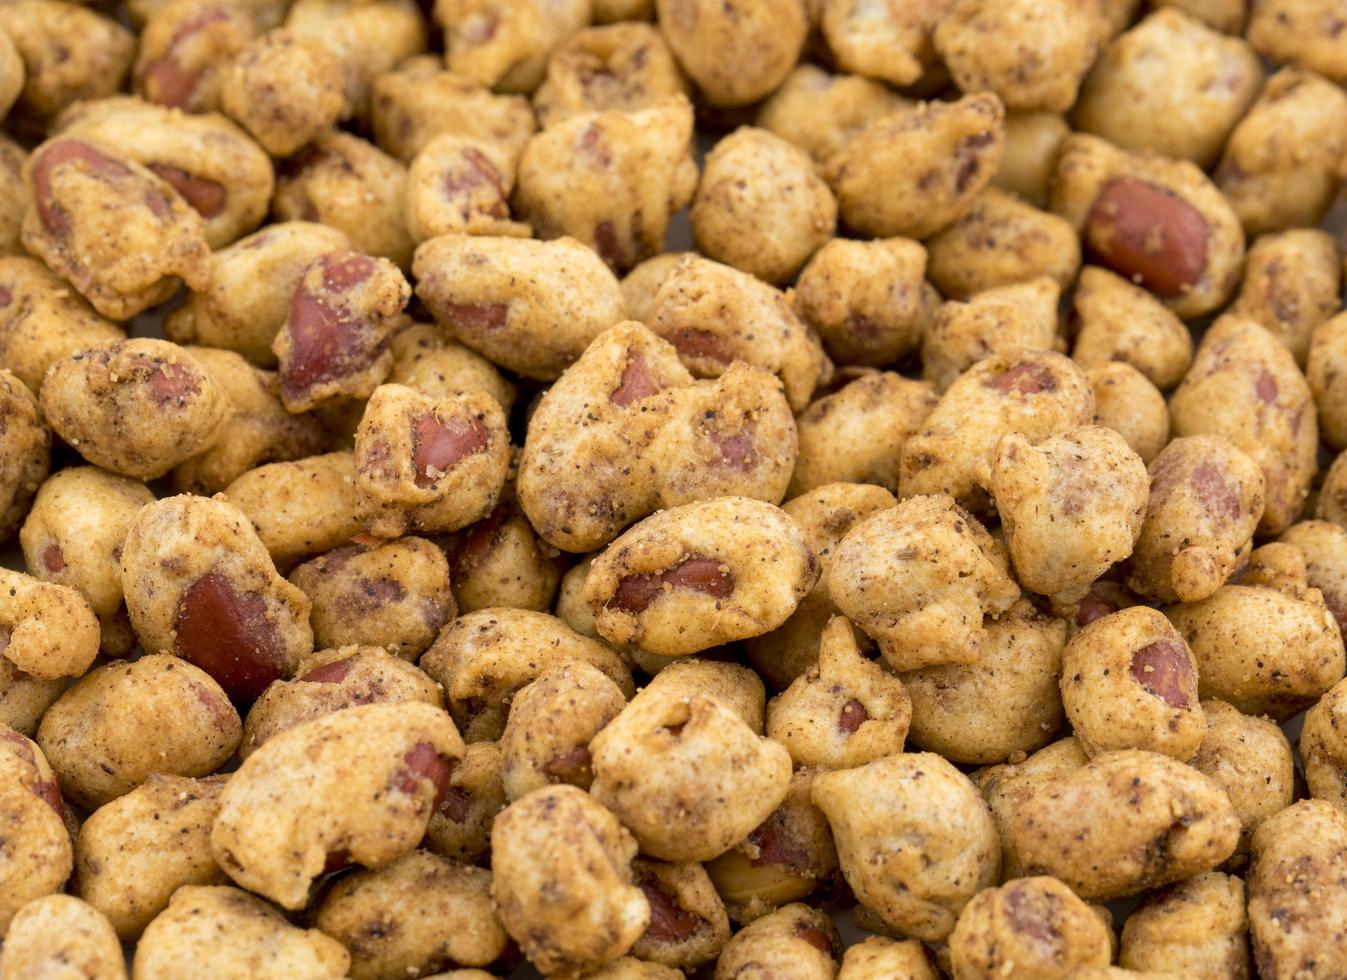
(227,634)
(708,576)
(326,342)
(1214,491)
(700,343)
(438,446)
(637,382)
(852,716)
(1163,668)
(1025,379)
(477,172)
(1149,235)
(170,381)
(669,922)
(571,766)
(422,762)
(50,212)
(206,196)
(475,317)
(776,846)
(333,673)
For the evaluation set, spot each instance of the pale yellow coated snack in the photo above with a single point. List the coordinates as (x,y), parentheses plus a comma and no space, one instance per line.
(43,320)
(429,464)
(133,853)
(119,232)
(1205,501)
(223,933)
(417,101)
(844,711)
(686,774)
(200,585)
(819,112)
(249,288)
(714,315)
(562,881)
(701,574)
(460,828)
(362,781)
(413,916)
(785,858)
(1016,317)
(796,939)
(1124,822)
(824,516)
(331,680)
(38,855)
(345,182)
(49,629)
(368,37)
(868,300)
(688,924)
(283,88)
(481,659)
(882,956)
(186,46)
(1038,394)
(1070,507)
(301,508)
(890,43)
(1118,321)
(552,720)
(258,429)
(531,307)
(915,839)
(424,359)
(1030,153)
(1033,54)
(1323,747)
(1250,758)
(25,451)
(1004,705)
(1291,284)
(25,698)
(1283,160)
(626,431)
(1324,370)
(461,185)
(12,73)
(1264,650)
(1006,787)
(58,936)
(856,434)
(1323,546)
(127,720)
(57,72)
(334,340)
(1196,928)
(211,163)
(1160,223)
(915,171)
(1170,86)
(1299,32)
(1030,927)
(611,179)
(136,407)
(1000,241)
(1245,385)
(1126,402)
(1130,682)
(393,595)
(737,688)
(504,44)
(735,56)
(760,205)
(1297,898)
(626,66)
(919,578)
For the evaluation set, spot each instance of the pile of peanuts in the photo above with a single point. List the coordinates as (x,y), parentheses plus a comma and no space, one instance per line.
(428,574)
